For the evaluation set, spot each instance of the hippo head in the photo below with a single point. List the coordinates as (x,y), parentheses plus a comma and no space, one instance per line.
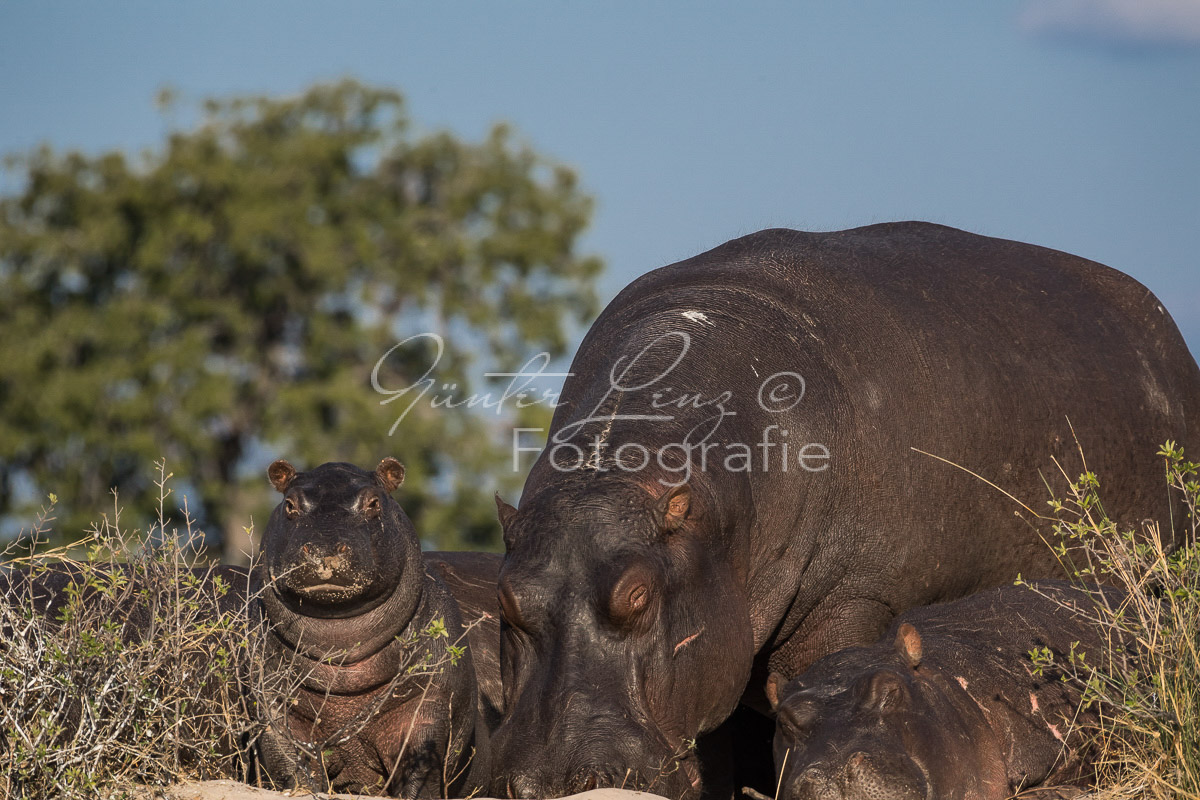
(624,637)
(855,727)
(337,544)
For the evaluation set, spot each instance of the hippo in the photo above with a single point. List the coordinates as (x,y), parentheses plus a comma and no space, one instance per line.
(353,618)
(471,579)
(764,453)
(948,703)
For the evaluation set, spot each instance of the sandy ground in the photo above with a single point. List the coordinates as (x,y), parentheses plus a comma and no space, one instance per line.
(232,790)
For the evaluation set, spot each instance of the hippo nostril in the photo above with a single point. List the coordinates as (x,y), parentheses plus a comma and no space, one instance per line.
(858,768)
(343,549)
(585,781)
(305,550)
(523,786)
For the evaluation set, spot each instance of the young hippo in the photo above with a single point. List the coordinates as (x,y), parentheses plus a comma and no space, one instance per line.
(948,704)
(373,685)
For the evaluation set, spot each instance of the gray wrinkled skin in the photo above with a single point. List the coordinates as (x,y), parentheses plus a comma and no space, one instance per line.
(947,704)
(471,580)
(636,618)
(346,586)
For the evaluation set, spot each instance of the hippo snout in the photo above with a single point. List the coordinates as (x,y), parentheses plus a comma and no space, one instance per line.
(668,775)
(813,784)
(877,775)
(531,785)
(324,567)
(861,774)
(325,572)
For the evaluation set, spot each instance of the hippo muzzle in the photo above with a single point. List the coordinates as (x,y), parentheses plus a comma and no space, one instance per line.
(595,744)
(861,775)
(592,763)
(326,573)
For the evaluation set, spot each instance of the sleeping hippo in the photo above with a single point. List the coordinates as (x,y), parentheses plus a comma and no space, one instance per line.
(948,704)
(355,621)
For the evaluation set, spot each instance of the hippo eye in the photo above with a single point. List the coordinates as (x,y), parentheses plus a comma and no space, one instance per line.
(885,691)
(794,718)
(631,594)
(370,505)
(290,508)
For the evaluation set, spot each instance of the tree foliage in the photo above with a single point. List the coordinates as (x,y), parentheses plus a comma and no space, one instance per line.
(224,299)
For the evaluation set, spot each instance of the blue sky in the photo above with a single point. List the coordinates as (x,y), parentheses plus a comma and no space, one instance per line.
(1068,123)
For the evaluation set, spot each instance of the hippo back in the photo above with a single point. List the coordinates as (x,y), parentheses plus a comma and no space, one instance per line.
(471,579)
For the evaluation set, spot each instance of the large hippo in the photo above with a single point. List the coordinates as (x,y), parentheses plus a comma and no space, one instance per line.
(356,621)
(949,703)
(743,474)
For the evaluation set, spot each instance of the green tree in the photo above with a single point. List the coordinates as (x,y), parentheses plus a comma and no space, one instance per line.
(224,299)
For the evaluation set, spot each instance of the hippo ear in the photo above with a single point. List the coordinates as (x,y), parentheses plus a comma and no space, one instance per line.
(390,474)
(885,691)
(673,507)
(908,645)
(774,686)
(504,512)
(281,474)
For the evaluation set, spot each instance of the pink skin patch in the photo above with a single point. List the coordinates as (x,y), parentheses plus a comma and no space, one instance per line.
(1054,730)
(961,681)
(686,642)
(1033,702)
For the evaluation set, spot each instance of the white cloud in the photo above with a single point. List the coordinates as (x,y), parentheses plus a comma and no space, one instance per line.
(1121,22)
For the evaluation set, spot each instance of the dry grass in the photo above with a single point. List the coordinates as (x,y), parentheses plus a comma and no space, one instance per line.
(1146,689)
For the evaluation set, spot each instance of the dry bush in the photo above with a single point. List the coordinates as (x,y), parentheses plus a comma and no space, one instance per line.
(130,667)
(1146,688)
(121,668)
